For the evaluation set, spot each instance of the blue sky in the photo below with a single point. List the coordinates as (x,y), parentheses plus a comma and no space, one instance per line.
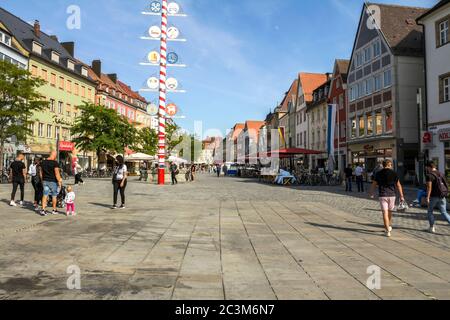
(242,54)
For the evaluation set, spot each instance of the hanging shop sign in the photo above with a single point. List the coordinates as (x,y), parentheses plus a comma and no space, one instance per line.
(171,109)
(172,84)
(173,32)
(173,8)
(154,57)
(153,83)
(172,58)
(155,32)
(152,109)
(155,7)
(444,135)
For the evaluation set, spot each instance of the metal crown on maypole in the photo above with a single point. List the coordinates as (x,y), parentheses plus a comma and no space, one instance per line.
(164,9)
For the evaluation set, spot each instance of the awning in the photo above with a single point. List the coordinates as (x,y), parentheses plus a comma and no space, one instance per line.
(139,157)
(287,153)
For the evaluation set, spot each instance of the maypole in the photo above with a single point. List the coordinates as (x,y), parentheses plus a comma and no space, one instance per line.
(162,97)
(165,85)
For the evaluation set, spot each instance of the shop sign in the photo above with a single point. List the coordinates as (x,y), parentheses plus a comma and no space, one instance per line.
(66,146)
(369,148)
(427,137)
(444,135)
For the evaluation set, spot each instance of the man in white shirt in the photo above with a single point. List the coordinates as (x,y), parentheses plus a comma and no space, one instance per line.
(359,173)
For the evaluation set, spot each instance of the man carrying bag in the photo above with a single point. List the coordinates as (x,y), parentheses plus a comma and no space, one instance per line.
(437,192)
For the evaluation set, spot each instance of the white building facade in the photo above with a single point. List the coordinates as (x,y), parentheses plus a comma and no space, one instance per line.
(436,23)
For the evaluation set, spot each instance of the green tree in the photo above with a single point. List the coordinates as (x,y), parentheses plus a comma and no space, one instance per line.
(148,143)
(126,135)
(173,138)
(19,100)
(99,129)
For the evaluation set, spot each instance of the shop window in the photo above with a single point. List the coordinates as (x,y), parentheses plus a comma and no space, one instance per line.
(389,120)
(362,126)
(353,128)
(370,125)
(379,123)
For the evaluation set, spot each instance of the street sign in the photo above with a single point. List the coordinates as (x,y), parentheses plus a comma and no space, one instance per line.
(155,32)
(173,33)
(173,8)
(155,7)
(154,57)
(152,109)
(172,110)
(153,83)
(172,58)
(172,84)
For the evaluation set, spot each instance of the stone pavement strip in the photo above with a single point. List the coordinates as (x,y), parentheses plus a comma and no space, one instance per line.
(220,239)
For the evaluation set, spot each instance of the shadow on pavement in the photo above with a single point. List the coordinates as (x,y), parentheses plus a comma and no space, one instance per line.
(364,231)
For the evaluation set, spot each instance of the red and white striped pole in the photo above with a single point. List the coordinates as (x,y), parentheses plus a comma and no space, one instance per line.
(162,97)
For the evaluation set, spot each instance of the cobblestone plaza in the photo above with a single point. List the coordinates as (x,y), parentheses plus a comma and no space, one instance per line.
(224,238)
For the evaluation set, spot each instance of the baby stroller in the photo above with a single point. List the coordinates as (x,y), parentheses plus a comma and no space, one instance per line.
(60,199)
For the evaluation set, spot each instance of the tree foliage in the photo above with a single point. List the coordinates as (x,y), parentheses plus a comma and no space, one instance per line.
(99,129)
(19,100)
(148,143)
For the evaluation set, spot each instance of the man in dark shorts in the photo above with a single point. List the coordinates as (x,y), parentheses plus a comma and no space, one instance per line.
(435,198)
(51,181)
(348,178)
(18,173)
(388,183)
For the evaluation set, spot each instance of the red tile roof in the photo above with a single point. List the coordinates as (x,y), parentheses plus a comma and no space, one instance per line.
(311,81)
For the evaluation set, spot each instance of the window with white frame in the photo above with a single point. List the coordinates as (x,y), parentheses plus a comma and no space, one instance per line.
(447,89)
(376,48)
(443,32)
(444,88)
(367,54)
(49,131)
(6,39)
(55,56)
(387,78)
(41,130)
(377,82)
(37,47)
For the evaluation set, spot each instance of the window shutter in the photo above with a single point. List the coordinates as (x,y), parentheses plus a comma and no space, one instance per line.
(441,90)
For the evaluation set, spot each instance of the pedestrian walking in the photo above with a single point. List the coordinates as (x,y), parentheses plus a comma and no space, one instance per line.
(18,176)
(219,169)
(348,178)
(174,173)
(78,172)
(120,178)
(51,182)
(193,171)
(359,174)
(70,202)
(437,193)
(388,184)
(36,182)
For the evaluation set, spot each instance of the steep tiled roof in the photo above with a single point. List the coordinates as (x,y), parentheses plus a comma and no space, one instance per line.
(399,27)
(24,33)
(310,81)
(293,91)
(238,128)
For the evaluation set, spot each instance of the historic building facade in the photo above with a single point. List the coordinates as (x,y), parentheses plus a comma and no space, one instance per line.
(386,70)
(436,23)
(338,97)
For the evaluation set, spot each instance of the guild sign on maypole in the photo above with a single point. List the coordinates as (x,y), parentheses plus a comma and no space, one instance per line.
(164,33)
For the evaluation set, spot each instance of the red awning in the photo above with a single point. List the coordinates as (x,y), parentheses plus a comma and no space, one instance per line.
(287,153)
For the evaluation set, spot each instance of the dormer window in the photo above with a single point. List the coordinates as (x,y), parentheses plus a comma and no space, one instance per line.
(6,39)
(55,56)
(84,71)
(37,47)
(70,65)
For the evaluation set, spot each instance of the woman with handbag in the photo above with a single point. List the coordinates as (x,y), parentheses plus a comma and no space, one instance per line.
(388,183)
(120,178)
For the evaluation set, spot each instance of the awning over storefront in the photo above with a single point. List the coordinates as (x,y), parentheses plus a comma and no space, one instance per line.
(289,153)
(136,157)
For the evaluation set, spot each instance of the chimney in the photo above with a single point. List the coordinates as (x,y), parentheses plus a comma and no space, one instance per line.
(54,38)
(37,29)
(113,77)
(97,67)
(70,47)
